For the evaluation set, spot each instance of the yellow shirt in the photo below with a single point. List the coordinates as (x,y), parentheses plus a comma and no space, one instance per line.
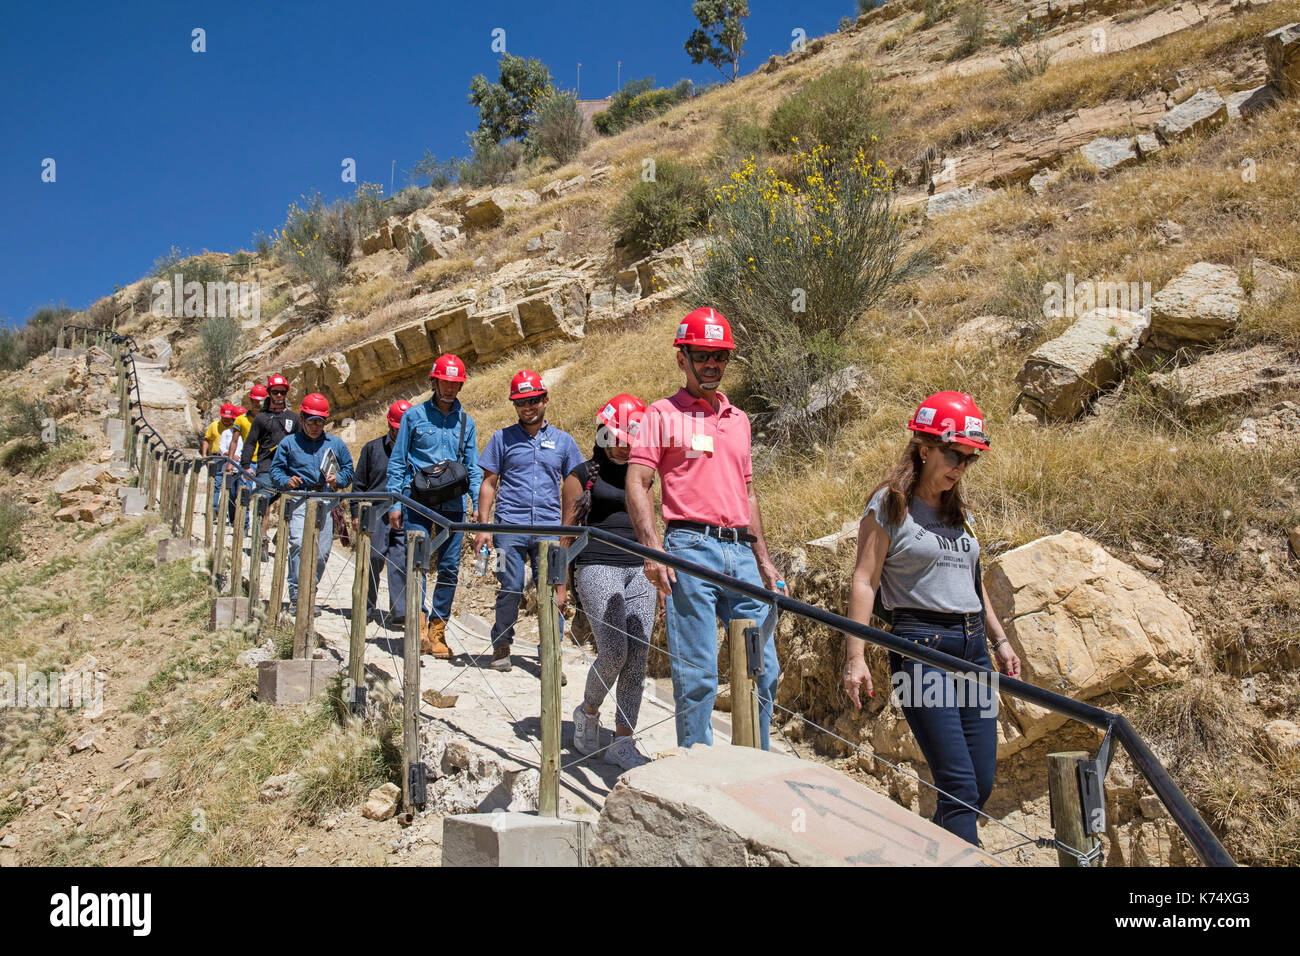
(244,423)
(213,436)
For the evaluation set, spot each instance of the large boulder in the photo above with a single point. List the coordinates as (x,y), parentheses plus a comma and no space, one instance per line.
(1282,53)
(738,806)
(1199,305)
(1203,111)
(1224,379)
(1083,623)
(490,208)
(1062,376)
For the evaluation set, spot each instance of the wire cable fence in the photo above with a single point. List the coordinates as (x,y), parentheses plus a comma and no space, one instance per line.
(1077,840)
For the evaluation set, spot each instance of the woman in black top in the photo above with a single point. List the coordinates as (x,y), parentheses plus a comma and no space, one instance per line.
(616,595)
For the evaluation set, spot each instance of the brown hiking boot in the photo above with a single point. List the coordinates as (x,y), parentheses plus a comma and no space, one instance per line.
(501,658)
(426,645)
(437,635)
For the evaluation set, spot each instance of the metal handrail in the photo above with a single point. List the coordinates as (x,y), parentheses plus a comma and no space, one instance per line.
(1202,838)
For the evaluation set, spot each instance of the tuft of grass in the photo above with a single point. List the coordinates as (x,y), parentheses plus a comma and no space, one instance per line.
(12,516)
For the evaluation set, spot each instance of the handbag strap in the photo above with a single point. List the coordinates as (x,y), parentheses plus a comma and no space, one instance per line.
(460,453)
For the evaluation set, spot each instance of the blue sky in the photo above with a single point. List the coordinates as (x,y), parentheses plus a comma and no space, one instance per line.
(155,145)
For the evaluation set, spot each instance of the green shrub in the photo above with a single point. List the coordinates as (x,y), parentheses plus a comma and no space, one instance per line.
(656,214)
(795,268)
(410,199)
(972,22)
(637,102)
(27,419)
(212,364)
(1025,64)
(491,163)
(847,23)
(934,11)
(558,128)
(12,516)
(837,110)
(889,41)
(438,173)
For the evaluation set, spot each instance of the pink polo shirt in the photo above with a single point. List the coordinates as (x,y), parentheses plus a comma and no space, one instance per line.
(702,458)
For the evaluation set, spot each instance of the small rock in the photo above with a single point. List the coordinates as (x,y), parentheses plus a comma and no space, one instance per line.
(87,619)
(1151,807)
(1283,736)
(382,803)
(1293,540)
(440,700)
(9,841)
(277,786)
(85,741)
(150,773)
(1148,562)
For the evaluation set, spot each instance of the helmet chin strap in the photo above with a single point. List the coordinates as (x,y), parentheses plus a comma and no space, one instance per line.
(706,386)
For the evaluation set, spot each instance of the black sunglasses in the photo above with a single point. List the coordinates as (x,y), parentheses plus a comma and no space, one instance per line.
(956,459)
(721,356)
(528,402)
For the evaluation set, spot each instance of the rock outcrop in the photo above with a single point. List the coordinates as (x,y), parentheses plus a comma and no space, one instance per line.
(1198,306)
(1062,376)
(1282,53)
(1083,623)
(1224,379)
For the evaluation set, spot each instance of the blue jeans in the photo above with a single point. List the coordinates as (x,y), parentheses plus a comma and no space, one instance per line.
(511,550)
(956,731)
(388,547)
(233,483)
(447,561)
(693,613)
(295,512)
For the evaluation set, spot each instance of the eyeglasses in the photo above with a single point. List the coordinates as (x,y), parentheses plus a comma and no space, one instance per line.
(955,459)
(278,391)
(721,356)
(529,402)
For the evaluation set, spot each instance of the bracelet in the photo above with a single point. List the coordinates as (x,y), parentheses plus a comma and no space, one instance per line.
(1000,643)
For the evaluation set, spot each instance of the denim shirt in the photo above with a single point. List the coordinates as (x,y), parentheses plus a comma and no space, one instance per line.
(299,455)
(426,437)
(531,469)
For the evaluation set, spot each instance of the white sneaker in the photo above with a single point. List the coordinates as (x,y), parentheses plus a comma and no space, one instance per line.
(625,753)
(586,731)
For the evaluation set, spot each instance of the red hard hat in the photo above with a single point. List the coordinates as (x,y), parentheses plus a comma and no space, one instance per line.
(258,393)
(951,417)
(228,411)
(240,410)
(706,328)
(622,415)
(448,368)
(526,384)
(396,411)
(315,405)
(277,381)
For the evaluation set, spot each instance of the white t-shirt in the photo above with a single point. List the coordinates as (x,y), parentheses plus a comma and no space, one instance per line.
(232,436)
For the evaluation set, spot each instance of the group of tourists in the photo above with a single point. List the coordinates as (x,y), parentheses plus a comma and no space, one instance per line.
(917,563)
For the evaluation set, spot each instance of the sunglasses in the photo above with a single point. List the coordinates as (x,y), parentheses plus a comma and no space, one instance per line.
(721,356)
(528,402)
(278,391)
(955,459)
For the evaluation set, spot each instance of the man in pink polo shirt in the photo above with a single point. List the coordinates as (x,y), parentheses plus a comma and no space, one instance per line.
(699,443)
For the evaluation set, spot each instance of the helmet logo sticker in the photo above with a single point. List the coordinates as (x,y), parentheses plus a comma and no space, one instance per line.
(713,332)
(607,411)
(924,416)
(681,331)
(974,424)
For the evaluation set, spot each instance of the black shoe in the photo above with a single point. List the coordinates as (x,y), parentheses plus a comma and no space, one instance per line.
(396,624)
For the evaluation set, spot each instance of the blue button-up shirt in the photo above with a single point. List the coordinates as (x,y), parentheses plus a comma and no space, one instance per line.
(299,455)
(426,437)
(532,468)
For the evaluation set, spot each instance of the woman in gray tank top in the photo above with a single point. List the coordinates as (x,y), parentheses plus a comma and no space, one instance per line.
(917,551)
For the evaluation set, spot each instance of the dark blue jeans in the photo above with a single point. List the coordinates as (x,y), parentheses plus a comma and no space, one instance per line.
(388,549)
(953,720)
(512,550)
(447,561)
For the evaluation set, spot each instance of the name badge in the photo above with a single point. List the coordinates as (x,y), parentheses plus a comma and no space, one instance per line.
(702,443)
(547,443)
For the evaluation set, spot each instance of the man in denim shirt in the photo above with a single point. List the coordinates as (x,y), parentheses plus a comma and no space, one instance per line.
(429,433)
(524,466)
(297,467)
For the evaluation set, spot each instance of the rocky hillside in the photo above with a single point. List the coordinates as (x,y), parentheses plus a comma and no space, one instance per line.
(1108,208)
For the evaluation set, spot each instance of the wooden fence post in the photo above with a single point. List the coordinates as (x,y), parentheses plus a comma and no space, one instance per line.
(258,504)
(192,467)
(277,568)
(744,704)
(548,793)
(1067,806)
(411,667)
(303,645)
(219,531)
(237,542)
(360,589)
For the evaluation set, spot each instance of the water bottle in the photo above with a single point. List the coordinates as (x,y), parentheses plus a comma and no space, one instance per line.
(481,567)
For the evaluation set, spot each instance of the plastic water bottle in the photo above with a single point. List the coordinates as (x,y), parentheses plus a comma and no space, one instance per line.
(484,554)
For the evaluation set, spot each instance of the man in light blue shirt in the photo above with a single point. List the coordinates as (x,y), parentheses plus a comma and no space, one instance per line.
(297,466)
(524,466)
(438,429)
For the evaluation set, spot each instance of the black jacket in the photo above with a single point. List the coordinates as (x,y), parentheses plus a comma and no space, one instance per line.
(264,436)
(372,465)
